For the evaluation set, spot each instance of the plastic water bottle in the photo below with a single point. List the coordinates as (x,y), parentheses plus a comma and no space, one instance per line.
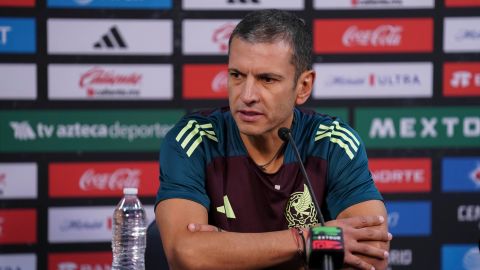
(129,233)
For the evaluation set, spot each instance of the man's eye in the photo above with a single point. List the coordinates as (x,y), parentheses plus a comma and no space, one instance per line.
(234,75)
(268,79)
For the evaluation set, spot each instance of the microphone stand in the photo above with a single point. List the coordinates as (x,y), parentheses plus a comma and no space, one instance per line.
(285,134)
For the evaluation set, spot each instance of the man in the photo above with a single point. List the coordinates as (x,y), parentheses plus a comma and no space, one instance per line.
(228,170)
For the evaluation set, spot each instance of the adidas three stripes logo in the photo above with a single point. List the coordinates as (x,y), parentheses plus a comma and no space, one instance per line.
(191,135)
(111,40)
(339,135)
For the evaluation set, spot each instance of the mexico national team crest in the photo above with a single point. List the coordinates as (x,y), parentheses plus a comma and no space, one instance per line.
(300,211)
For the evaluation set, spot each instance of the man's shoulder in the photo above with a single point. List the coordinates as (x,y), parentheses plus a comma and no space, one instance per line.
(204,127)
(329,133)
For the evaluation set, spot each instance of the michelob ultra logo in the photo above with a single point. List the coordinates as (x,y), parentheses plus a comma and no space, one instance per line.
(419,127)
(77,130)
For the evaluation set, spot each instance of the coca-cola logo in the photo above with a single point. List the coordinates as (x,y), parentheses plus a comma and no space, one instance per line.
(116,180)
(382,36)
(220,82)
(99,76)
(222,35)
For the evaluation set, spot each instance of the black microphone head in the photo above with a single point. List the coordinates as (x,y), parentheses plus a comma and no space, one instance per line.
(283,133)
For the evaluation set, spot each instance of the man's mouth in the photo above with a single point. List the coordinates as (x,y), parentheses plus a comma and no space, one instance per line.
(249,115)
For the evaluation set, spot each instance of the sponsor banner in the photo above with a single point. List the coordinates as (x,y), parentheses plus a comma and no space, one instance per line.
(19,81)
(459,216)
(461,34)
(460,257)
(461,79)
(17,35)
(25,261)
(104,36)
(84,224)
(373,80)
(462,3)
(114,4)
(101,260)
(372,35)
(461,174)
(372,4)
(85,130)
(207,81)
(18,181)
(412,218)
(17,3)
(401,175)
(13,221)
(102,179)
(242,4)
(410,253)
(206,37)
(439,127)
(341,113)
(113,82)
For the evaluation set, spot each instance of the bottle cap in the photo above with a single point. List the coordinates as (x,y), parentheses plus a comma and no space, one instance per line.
(130,191)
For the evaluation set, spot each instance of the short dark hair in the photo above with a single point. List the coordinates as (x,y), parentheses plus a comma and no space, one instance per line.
(266,26)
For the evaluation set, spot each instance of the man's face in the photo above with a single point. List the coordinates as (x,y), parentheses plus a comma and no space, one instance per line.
(261,87)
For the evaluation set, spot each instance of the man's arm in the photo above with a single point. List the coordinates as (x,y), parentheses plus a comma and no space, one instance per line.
(366,240)
(212,250)
(357,250)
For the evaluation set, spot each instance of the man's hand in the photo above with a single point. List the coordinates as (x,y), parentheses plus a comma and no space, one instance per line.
(358,230)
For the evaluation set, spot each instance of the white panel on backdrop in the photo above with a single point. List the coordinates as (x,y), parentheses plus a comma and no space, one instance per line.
(373,80)
(18,261)
(18,181)
(461,34)
(84,224)
(372,4)
(104,36)
(18,81)
(206,36)
(242,4)
(115,82)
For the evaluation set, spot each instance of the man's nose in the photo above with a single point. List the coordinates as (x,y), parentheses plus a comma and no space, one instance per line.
(249,91)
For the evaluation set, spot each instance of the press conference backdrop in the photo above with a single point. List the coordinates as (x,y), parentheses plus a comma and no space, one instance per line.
(88,89)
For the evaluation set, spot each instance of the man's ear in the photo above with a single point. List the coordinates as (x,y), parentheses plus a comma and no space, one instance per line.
(304,86)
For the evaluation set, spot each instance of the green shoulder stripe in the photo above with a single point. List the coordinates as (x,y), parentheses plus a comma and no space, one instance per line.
(193,132)
(339,135)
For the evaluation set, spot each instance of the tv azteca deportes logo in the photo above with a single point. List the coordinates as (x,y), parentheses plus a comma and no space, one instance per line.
(24,131)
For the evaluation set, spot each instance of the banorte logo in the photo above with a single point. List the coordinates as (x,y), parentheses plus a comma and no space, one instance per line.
(99,77)
(222,35)
(116,180)
(380,36)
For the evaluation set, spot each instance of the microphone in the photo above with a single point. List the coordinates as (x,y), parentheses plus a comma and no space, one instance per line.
(325,243)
